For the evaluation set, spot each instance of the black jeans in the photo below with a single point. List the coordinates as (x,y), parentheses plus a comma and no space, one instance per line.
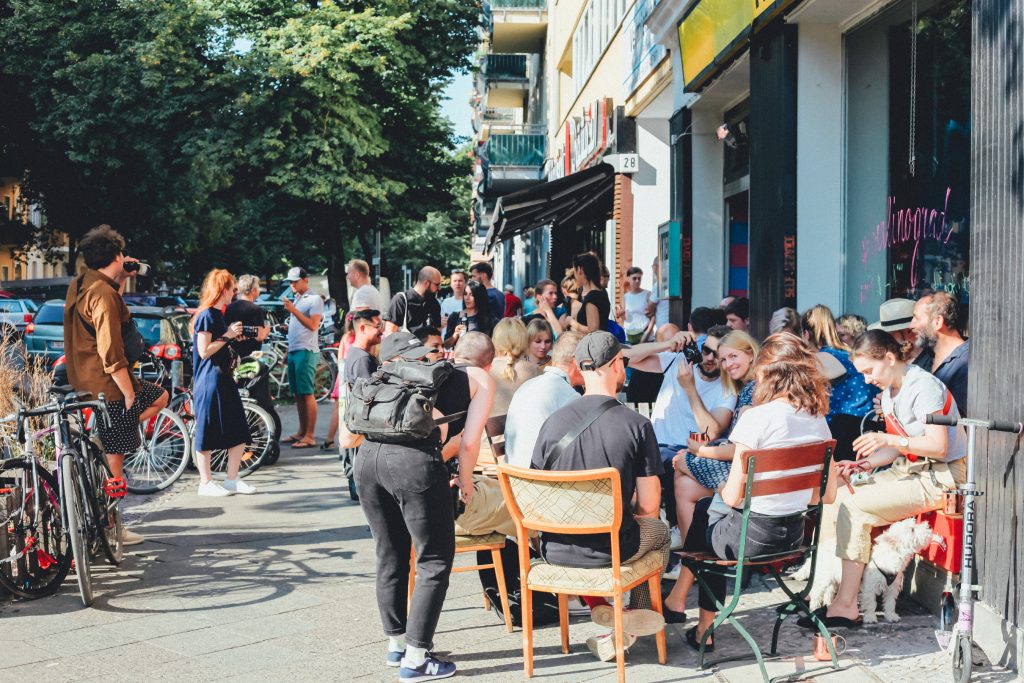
(765,536)
(404,493)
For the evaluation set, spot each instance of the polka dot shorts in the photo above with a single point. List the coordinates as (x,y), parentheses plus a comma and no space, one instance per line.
(123,435)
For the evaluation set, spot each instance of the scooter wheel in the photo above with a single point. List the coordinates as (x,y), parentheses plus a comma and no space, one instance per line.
(947,612)
(962,659)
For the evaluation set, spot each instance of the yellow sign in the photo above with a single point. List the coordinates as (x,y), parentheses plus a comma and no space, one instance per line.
(714,30)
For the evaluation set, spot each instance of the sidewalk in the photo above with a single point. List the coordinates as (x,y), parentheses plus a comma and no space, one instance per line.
(280,587)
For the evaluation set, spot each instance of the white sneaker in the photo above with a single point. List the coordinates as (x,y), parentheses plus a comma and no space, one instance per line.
(212,489)
(239,486)
(677,539)
(672,572)
(603,646)
(130,537)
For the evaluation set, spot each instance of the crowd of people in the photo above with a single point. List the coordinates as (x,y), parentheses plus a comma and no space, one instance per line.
(551,363)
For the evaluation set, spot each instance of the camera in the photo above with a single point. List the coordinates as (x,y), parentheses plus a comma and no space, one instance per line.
(136,267)
(251,331)
(692,354)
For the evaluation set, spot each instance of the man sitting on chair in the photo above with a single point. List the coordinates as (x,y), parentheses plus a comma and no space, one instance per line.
(625,440)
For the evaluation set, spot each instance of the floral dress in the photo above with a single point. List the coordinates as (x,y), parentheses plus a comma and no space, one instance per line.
(711,473)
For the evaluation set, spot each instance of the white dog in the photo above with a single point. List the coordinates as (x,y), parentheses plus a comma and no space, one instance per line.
(883,576)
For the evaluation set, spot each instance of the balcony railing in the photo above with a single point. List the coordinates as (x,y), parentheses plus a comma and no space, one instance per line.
(518,4)
(505,67)
(515,149)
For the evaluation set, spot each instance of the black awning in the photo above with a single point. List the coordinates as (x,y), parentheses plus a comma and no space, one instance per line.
(551,203)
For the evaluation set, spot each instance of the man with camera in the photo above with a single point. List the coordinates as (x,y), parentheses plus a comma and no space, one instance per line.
(255,329)
(692,399)
(99,342)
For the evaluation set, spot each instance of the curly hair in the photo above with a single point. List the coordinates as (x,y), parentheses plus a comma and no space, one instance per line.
(100,246)
(786,368)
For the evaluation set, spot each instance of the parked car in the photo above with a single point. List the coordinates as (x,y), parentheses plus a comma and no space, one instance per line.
(17,312)
(44,336)
(166,331)
(159,300)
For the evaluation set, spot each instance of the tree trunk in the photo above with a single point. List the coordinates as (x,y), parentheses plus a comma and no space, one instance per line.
(336,269)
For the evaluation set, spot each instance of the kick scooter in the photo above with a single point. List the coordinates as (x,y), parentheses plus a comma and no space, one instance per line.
(956,638)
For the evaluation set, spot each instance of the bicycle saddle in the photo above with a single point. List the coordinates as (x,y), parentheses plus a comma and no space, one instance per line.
(61,390)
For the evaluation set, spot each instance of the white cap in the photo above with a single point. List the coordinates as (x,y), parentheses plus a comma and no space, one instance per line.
(295,273)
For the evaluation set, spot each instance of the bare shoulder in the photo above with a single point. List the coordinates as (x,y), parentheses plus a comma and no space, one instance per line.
(479,379)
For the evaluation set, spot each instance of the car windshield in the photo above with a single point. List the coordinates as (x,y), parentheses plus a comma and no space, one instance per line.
(50,314)
(150,329)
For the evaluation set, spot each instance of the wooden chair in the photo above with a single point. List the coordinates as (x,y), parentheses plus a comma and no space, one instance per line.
(470,544)
(581,502)
(755,464)
(495,431)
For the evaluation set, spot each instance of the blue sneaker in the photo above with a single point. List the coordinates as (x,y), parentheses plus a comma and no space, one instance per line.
(394,659)
(430,670)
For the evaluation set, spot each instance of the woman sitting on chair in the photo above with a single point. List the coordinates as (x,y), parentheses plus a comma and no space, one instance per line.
(790,404)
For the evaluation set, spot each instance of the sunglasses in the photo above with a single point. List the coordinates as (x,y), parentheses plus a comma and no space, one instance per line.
(707,351)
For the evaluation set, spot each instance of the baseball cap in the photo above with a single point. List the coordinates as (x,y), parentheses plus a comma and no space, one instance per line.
(894,315)
(403,345)
(510,289)
(296,273)
(597,350)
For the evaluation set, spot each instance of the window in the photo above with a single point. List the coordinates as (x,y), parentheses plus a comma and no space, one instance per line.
(5,273)
(50,314)
(598,23)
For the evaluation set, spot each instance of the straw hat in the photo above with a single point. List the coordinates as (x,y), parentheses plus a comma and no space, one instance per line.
(894,314)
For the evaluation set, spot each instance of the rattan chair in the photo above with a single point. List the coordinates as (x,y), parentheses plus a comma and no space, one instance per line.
(756,463)
(579,502)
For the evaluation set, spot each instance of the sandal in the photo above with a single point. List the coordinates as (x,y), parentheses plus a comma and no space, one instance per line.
(691,639)
(327,445)
(303,444)
(290,439)
(828,622)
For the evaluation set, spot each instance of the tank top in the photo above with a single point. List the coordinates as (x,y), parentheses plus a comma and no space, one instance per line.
(453,397)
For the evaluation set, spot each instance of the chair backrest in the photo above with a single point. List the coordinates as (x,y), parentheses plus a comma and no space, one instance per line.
(573,502)
(768,471)
(494,428)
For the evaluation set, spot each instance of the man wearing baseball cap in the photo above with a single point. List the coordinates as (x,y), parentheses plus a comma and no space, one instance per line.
(608,434)
(303,351)
(895,316)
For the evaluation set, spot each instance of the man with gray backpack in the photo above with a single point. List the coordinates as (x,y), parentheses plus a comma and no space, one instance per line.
(407,411)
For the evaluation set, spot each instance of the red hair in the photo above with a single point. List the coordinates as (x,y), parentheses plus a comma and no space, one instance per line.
(216,282)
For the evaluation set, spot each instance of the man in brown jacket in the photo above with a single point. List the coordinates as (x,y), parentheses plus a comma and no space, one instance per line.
(94,317)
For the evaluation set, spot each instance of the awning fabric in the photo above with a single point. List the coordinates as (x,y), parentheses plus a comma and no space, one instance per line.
(549,203)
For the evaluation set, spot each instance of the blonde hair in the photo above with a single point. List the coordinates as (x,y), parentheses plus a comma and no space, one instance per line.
(820,325)
(744,343)
(511,342)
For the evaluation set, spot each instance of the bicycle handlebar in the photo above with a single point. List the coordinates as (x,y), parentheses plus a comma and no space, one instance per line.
(993,426)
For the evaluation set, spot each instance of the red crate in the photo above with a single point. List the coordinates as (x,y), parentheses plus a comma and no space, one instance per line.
(946,548)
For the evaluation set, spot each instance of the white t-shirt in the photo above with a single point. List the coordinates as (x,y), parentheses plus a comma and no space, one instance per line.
(921,394)
(636,319)
(450,306)
(661,307)
(367,298)
(673,417)
(776,424)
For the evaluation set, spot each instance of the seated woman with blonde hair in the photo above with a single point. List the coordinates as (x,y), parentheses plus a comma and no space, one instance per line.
(511,366)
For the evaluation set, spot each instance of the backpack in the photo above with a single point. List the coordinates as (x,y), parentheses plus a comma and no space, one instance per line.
(396,403)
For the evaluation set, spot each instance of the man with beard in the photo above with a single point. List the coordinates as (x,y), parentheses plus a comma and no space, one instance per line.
(944,353)
(692,398)
(415,307)
(623,439)
(896,316)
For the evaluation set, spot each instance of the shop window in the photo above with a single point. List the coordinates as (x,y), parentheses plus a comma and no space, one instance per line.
(738,216)
(908,186)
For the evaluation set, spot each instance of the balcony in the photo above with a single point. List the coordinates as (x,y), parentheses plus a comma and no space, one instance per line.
(513,158)
(516,25)
(499,68)
(508,79)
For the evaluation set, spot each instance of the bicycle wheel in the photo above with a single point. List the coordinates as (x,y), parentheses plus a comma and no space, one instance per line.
(162,456)
(323,379)
(35,531)
(962,659)
(77,524)
(105,510)
(261,428)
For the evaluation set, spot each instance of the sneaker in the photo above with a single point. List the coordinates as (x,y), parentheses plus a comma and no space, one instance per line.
(672,572)
(430,670)
(394,659)
(214,490)
(603,646)
(130,537)
(238,486)
(677,539)
(635,622)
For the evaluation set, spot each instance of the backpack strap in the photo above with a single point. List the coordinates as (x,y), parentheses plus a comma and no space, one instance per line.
(555,453)
(74,305)
(405,317)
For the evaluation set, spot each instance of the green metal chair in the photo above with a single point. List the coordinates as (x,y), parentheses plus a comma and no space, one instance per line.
(756,464)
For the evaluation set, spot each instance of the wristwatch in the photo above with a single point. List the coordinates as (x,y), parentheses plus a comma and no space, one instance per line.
(904,443)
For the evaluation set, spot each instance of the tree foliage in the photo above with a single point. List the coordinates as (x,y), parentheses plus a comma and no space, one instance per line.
(247,133)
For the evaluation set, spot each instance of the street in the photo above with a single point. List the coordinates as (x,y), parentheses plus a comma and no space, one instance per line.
(280,587)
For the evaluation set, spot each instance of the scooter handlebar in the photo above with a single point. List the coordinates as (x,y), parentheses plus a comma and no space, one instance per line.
(994,426)
(1011,427)
(944,420)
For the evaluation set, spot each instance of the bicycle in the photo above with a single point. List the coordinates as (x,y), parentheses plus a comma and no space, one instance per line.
(958,639)
(39,558)
(260,445)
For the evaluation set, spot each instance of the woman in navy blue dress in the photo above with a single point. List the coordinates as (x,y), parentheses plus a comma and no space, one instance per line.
(220,417)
